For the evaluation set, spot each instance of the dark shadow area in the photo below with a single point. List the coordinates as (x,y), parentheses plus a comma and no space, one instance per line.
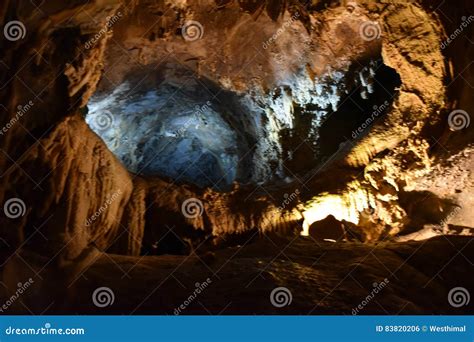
(424,207)
(355,116)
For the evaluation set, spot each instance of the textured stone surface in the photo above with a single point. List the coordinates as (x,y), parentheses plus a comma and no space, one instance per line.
(65,174)
(323,278)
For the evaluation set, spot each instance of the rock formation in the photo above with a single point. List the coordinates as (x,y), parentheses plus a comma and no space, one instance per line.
(151,145)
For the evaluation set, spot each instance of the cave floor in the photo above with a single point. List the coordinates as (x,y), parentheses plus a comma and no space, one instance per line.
(323,278)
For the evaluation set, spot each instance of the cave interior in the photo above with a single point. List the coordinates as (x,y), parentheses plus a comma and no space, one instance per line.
(150,147)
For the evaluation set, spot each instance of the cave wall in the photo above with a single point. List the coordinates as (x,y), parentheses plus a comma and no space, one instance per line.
(53,68)
(53,162)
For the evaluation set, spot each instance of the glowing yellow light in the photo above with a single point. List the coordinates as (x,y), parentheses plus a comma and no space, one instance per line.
(342,206)
(324,206)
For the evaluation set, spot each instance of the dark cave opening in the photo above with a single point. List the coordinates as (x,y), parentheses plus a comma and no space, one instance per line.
(355,116)
(167,121)
(341,128)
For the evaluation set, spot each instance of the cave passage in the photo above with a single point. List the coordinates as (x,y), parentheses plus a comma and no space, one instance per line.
(168,122)
(250,157)
(169,126)
(356,114)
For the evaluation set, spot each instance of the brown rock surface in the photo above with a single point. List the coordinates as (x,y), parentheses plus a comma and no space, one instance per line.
(323,278)
(87,219)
